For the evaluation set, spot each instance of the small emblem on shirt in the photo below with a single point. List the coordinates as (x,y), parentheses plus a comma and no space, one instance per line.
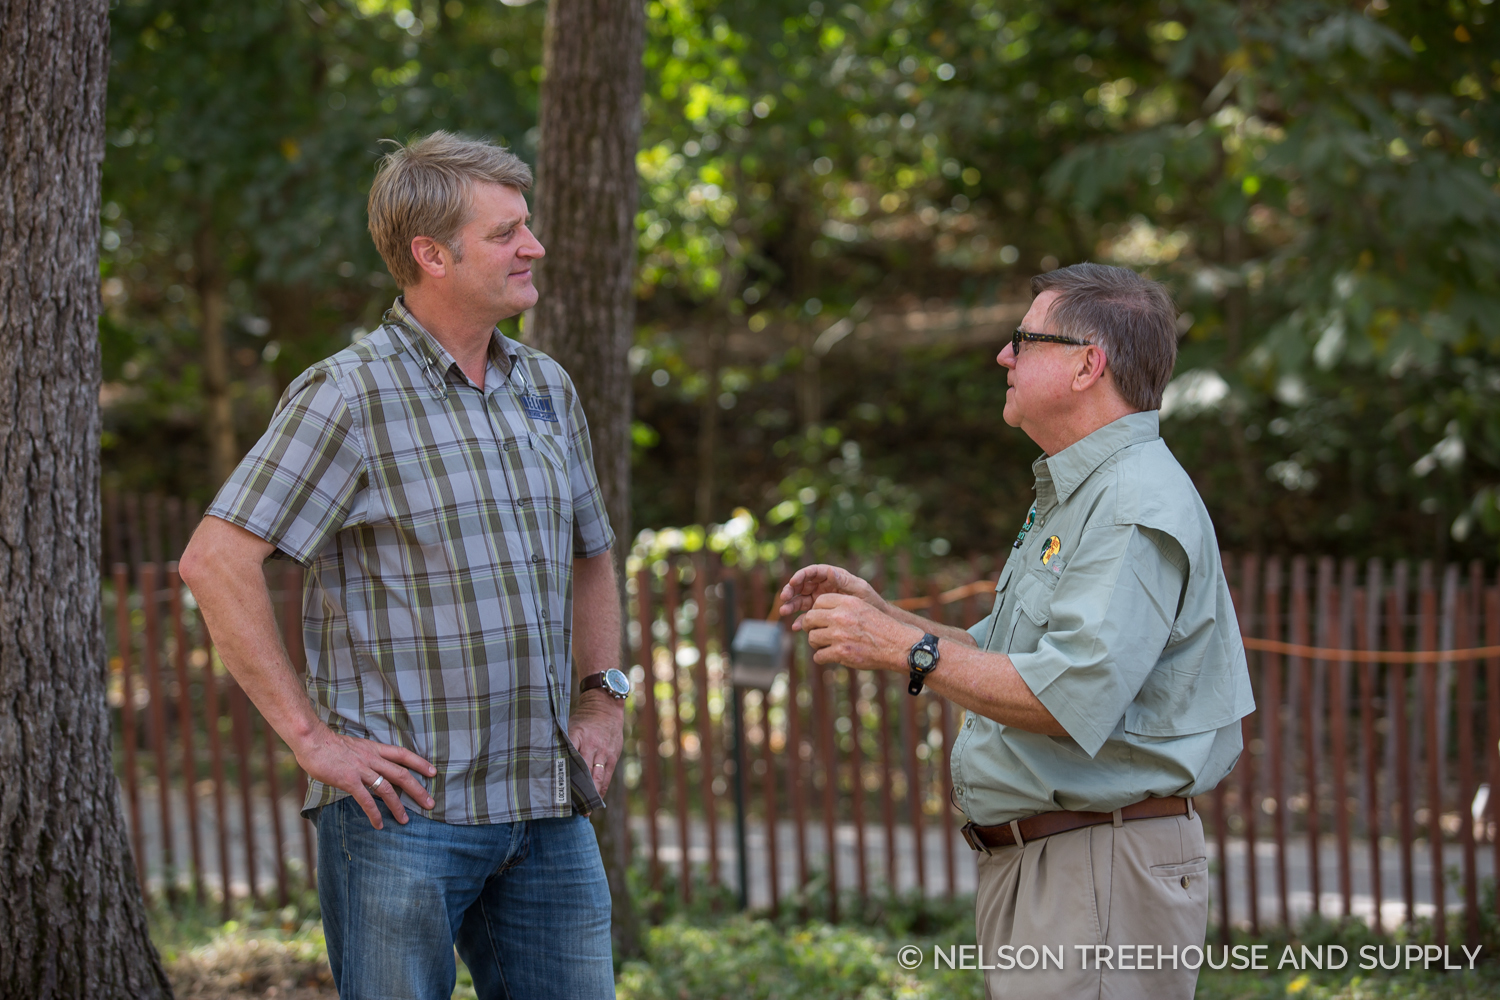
(560,782)
(1053,547)
(1030,520)
(539,408)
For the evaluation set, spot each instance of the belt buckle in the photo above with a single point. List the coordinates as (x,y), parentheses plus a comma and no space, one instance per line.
(972,839)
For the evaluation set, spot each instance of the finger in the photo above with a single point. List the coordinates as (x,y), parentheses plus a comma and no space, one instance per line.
(405,757)
(818,618)
(604,770)
(399,779)
(797,582)
(388,794)
(831,600)
(367,803)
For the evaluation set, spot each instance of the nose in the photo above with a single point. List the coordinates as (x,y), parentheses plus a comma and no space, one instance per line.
(1007,357)
(533,247)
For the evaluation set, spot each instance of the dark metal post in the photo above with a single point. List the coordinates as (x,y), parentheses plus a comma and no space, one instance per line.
(737,707)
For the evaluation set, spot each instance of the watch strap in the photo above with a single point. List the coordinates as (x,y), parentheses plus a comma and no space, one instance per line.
(928,642)
(593,681)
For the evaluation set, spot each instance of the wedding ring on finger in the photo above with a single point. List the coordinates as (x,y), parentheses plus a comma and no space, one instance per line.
(379,780)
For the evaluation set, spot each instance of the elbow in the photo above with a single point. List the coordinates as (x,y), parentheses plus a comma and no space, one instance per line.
(192,566)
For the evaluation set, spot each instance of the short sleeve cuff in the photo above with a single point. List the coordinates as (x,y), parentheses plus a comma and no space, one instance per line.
(1039,676)
(595,542)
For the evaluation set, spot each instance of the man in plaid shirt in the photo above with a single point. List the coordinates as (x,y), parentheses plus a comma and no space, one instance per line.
(436,480)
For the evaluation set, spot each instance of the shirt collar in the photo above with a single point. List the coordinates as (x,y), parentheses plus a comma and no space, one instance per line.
(431,353)
(1066,471)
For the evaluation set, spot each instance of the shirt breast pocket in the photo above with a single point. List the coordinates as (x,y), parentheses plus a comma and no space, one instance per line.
(554,449)
(1033,610)
(537,466)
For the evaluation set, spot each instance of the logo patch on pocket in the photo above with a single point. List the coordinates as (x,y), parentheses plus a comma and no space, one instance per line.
(539,408)
(560,782)
(1052,548)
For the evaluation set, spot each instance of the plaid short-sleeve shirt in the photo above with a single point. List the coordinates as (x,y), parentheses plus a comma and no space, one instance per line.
(439,523)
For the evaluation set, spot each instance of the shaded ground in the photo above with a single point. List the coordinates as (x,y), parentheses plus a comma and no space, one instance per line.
(705,954)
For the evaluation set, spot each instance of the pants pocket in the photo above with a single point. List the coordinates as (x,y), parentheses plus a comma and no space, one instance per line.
(1184,874)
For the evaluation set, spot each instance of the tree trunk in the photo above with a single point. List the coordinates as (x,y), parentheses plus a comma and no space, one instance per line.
(218,416)
(708,430)
(585,208)
(70,908)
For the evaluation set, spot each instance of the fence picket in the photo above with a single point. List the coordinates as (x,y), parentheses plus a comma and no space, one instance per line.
(821,740)
(185,725)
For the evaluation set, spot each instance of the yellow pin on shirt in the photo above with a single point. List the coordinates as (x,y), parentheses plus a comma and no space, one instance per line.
(1054,546)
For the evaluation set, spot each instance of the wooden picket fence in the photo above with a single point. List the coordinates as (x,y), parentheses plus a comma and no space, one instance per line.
(1367,768)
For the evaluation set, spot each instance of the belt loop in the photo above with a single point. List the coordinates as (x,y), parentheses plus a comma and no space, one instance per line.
(1119,815)
(1191,812)
(1015,831)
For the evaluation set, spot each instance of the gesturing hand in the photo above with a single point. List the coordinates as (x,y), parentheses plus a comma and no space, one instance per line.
(364,769)
(597,729)
(811,582)
(844,629)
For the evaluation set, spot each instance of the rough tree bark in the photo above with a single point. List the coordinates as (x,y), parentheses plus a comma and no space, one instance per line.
(72,923)
(585,209)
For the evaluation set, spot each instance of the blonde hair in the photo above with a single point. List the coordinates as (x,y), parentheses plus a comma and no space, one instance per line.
(422,189)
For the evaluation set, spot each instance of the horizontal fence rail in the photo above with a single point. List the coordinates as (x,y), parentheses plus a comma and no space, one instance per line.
(1364,783)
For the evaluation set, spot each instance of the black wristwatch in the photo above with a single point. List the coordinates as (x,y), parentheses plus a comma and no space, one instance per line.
(613,681)
(923,660)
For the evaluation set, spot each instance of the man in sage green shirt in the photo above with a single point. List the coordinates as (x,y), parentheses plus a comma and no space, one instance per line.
(1105,689)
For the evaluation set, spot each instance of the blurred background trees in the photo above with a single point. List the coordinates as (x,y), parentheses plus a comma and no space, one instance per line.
(840,206)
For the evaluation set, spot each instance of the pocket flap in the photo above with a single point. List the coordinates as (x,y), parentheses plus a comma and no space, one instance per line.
(1034,596)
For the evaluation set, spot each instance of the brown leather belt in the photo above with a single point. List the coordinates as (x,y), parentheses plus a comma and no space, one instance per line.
(1047,824)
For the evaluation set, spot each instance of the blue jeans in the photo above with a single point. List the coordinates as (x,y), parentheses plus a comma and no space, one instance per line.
(526,904)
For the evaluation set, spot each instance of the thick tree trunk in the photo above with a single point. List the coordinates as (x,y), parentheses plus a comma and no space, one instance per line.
(71,919)
(585,209)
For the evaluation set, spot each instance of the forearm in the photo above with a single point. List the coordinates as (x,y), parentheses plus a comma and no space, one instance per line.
(988,684)
(849,630)
(596,616)
(228,584)
(948,632)
(597,639)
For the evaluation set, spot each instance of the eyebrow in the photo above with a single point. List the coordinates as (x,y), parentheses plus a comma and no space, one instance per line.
(508,226)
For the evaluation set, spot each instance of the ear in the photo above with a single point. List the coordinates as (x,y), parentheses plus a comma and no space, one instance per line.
(1090,366)
(431,256)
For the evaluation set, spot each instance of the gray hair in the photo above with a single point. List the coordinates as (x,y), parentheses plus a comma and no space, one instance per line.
(422,189)
(1131,317)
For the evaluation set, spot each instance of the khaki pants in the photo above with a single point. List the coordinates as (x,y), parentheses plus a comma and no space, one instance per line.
(1140,890)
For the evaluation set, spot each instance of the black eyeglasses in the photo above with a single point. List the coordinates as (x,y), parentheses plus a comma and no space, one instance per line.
(1042,338)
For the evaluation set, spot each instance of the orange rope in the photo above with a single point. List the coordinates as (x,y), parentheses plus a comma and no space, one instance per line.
(1370,655)
(947,596)
(1263,645)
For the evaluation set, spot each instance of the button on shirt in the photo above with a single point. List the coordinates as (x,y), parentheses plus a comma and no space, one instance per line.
(1115,611)
(439,523)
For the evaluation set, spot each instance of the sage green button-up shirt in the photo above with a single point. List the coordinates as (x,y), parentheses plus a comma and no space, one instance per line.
(1115,611)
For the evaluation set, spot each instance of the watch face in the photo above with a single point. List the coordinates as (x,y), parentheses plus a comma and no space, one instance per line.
(922,658)
(616,682)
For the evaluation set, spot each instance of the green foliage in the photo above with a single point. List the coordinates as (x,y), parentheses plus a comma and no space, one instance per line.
(1315,181)
(242,139)
(757,958)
